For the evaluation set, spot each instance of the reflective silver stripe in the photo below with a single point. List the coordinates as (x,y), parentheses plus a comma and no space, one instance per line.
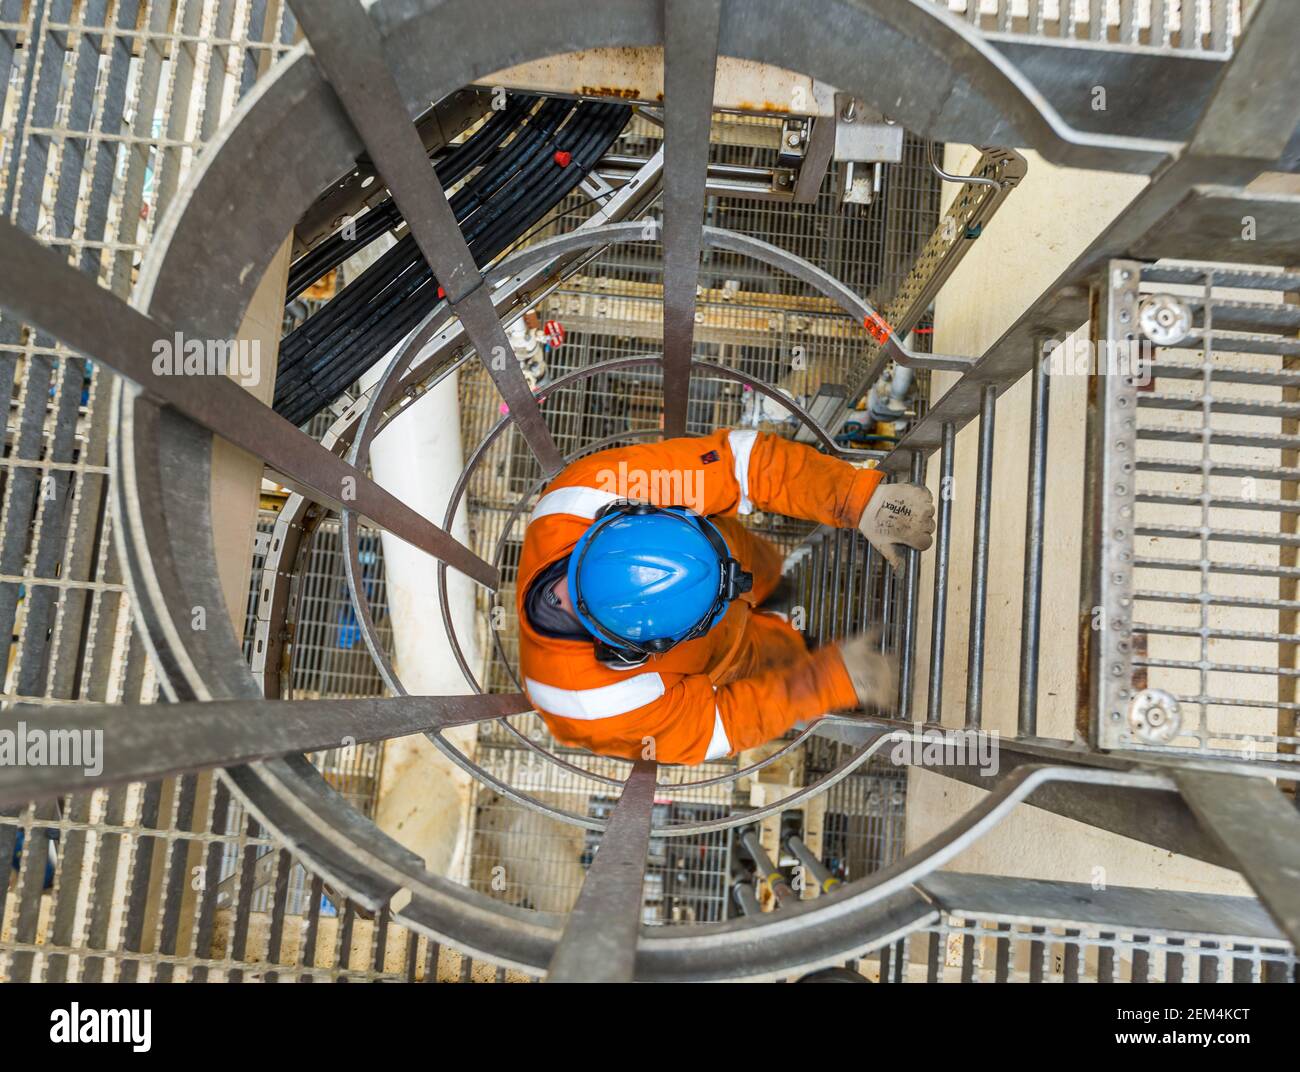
(603,702)
(742,445)
(578,502)
(719,746)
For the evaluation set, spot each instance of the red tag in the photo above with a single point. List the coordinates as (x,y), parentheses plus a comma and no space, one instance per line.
(441,293)
(554,332)
(562,157)
(876,327)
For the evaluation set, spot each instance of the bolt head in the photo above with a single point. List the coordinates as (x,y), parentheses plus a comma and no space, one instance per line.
(1155,716)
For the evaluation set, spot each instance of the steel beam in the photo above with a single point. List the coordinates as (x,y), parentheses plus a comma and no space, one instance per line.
(1164,92)
(141,742)
(1210,224)
(600,939)
(1122,908)
(1255,107)
(1258,828)
(1152,816)
(39,287)
(348,49)
(690,69)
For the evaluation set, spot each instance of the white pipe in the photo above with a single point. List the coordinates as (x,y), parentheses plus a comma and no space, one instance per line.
(419,458)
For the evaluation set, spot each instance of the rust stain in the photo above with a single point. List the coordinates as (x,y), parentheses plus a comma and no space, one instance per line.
(611,91)
(769,107)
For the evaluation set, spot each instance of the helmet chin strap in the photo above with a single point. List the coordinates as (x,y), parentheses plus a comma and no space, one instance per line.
(618,658)
(735,581)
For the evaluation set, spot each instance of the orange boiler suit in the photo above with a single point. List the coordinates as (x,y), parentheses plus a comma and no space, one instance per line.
(751,677)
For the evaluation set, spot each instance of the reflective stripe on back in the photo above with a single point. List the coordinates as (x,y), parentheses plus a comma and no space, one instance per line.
(742,445)
(719,746)
(577,502)
(603,702)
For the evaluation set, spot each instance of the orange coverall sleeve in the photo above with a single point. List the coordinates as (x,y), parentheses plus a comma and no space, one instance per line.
(795,480)
(727,473)
(700,722)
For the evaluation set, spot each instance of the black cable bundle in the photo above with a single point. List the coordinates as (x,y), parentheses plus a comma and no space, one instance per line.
(518,182)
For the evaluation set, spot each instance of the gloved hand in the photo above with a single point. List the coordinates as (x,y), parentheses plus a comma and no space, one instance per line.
(898,516)
(874,675)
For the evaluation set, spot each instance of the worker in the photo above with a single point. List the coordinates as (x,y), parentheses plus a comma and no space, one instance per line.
(643,632)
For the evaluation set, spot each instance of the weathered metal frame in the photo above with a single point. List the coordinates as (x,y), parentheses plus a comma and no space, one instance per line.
(157,450)
(1112,454)
(1120,666)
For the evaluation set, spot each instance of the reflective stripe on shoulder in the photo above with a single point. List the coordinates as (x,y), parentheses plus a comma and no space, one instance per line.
(742,445)
(719,746)
(603,702)
(577,502)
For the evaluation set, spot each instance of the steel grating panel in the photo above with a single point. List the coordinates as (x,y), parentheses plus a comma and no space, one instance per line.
(327,645)
(1191,25)
(963,949)
(1212,540)
(998,929)
(103,109)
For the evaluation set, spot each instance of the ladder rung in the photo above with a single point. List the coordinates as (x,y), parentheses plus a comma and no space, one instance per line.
(1220,668)
(1195,532)
(1196,467)
(1211,599)
(1219,437)
(1236,278)
(1216,634)
(1236,569)
(1277,506)
(1193,404)
(1227,374)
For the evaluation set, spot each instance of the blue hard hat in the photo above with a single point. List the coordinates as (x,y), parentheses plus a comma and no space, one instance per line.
(644,578)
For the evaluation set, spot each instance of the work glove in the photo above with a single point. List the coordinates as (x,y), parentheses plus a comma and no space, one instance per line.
(898,516)
(874,674)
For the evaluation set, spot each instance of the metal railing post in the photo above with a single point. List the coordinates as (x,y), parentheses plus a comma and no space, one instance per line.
(980,558)
(1031,611)
(942,551)
(907,624)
